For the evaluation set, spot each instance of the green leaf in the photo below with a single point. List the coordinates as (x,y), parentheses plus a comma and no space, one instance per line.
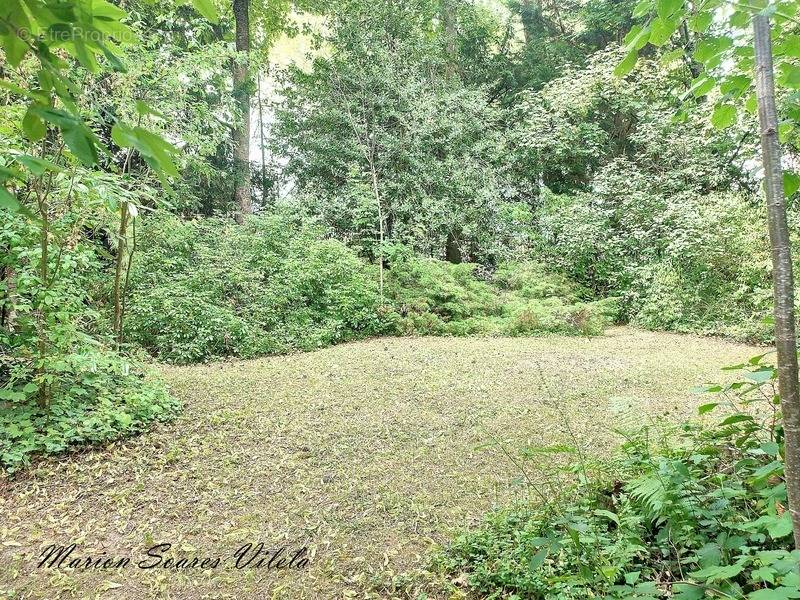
(706,389)
(36,165)
(792,578)
(8,201)
(789,76)
(143,109)
(637,37)
(709,50)
(156,151)
(608,514)
(106,11)
(632,577)
(707,408)
(80,142)
(781,527)
(780,593)
(735,85)
(701,85)
(719,573)
(207,9)
(788,45)
(762,375)
(701,21)
(19,91)
(756,360)
(740,18)
(733,419)
(642,8)
(709,555)
(685,591)
(661,30)
(33,126)
(123,136)
(667,8)
(15,49)
(765,472)
(59,118)
(538,559)
(791,183)
(627,64)
(785,130)
(724,116)
(160,150)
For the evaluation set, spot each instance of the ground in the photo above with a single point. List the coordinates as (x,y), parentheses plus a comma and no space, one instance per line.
(370,454)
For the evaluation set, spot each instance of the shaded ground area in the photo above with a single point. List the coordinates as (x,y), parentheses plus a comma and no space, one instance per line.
(368,453)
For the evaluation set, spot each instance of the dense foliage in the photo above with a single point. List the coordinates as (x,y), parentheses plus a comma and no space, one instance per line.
(64,382)
(429,167)
(685,512)
(208,288)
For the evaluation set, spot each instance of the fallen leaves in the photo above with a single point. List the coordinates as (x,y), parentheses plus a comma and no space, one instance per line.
(369,453)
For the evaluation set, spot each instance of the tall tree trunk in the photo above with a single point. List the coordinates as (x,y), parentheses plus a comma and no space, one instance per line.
(241,94)
(447,13)
(42,311)
(122,249)
(531,13)
(782,277)
(261,143)
(381,229)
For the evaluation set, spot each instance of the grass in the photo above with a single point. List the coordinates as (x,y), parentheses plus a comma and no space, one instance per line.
(369,453)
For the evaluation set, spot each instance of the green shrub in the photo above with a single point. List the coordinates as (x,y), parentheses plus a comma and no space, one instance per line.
(210,288)
(98,396)
(184,326)
(687,262)
(531,280)
(418,285)
(434,297)
(61,386)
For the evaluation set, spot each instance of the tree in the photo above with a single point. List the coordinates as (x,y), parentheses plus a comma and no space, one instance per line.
(241,130)
(782,276)
(735,84)
(62,145)
(381,108)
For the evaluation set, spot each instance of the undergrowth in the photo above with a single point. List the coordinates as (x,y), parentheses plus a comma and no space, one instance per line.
(208,288)
(63,382)
(98,396)
(686,512)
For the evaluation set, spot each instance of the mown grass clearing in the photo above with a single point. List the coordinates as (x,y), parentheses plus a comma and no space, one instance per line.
(369,453)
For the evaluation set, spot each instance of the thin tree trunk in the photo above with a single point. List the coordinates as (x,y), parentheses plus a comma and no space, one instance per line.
(241,93)
(41,315)
(263,154)
(782,277)
(376,191)
(447,12)
(8,311)
(128,265)
(122,247)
